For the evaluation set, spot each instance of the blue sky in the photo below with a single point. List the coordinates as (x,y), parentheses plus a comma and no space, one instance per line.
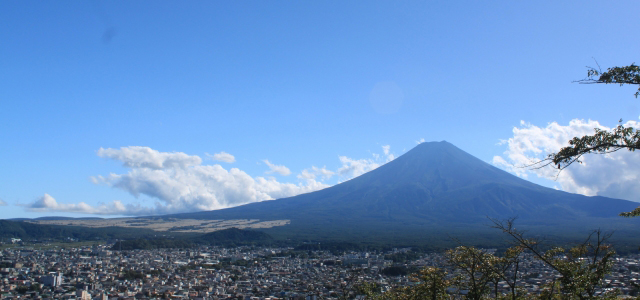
(299,84)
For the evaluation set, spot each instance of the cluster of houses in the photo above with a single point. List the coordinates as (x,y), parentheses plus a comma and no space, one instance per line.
(99,273)
(214,273)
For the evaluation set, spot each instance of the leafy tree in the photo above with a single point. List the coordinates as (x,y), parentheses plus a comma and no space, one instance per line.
(475,273)
(433,284)
(582,268)
(582,271)
(22,289)
(496,269)
(618,75)
(35,287)
(131,275)
(602,141)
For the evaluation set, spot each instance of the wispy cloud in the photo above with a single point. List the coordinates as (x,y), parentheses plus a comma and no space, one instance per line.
(387,152)
(355,167)
(279,169)
(315,172)
(223,157)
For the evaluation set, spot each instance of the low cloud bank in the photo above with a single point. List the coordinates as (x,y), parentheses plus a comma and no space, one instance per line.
(614,175)
(182,183)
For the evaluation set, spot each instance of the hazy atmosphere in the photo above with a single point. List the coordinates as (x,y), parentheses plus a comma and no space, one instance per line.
(130,108)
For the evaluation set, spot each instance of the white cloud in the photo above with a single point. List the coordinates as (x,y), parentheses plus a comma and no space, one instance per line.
(145,157)
(306,174)
(2,203)
(223,157)
(47,203)
(199,187)
(355,167)
(420,141)
(351,168)
(613,175)
(44,202)
(326,174)
(282,170)
(386,149)
(181,183)
(316,172)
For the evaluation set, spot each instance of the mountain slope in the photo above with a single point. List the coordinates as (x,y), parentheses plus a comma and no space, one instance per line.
(435,184)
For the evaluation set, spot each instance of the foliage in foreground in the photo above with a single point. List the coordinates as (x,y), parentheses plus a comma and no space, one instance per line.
(476,274)
(617,75)
(602,142)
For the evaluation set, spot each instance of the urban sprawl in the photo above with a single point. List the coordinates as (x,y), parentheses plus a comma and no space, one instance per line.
(96,272)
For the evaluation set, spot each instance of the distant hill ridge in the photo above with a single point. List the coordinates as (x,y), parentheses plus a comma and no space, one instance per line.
(54,218)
